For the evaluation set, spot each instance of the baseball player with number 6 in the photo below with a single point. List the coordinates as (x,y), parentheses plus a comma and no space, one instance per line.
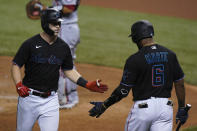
(150,73)
(42,56)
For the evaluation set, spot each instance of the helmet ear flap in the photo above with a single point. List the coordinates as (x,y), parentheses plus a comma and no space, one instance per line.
(134,39)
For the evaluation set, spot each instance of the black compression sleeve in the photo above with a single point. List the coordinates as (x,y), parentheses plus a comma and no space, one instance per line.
(119,93)
(82,82)
(111,100)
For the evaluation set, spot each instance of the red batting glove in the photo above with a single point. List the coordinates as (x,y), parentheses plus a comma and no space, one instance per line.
(96,86)
(22,90)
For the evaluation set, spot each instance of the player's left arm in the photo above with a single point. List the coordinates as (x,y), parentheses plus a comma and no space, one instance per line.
(73,75)
(182,113)
(178,78)
(67,9)
(94,86)
(180,92)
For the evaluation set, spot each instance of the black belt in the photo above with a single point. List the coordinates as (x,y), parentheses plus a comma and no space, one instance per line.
(145,105)
(44,94)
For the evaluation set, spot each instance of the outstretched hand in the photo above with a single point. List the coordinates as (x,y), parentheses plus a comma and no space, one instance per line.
(96,86)
(98,109)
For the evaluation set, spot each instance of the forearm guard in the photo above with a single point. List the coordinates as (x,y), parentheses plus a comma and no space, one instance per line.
(119,93)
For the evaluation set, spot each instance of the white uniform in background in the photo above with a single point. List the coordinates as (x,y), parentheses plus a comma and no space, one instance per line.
(70,33)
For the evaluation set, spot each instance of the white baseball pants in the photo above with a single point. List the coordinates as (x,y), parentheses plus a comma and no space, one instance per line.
(157,116)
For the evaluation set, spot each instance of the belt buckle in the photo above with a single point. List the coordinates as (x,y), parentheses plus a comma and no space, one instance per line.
(45,95)
(40,94)
(143,105)
(52,93)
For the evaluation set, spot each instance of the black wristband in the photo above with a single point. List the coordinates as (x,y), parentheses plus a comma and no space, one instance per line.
(82,82)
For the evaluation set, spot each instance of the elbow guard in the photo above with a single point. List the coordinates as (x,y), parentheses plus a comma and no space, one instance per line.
(121,91)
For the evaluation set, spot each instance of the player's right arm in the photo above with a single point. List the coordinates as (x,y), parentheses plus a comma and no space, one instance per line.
(16,73)
(20,58)
(118,94)
(127,82)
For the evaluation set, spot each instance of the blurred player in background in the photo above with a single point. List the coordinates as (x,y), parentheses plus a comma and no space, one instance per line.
(70,33)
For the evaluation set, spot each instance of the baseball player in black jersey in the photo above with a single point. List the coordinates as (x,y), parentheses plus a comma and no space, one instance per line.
(150,73)
(43,55)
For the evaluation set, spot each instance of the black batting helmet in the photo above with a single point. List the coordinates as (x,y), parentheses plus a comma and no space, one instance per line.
(140,30)
(50,15)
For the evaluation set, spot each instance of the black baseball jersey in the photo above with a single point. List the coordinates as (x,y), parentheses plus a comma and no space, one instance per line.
(151,72)
(42,62)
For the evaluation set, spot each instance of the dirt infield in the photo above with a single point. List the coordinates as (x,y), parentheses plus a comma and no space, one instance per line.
(77,119)
(178,8)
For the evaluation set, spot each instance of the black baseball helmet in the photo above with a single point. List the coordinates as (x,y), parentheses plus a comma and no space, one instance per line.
(50,15)
(140,30)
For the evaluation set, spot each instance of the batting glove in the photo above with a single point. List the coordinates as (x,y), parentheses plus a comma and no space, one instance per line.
(22,90)
(182,115)
(96,86)
(98,109)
